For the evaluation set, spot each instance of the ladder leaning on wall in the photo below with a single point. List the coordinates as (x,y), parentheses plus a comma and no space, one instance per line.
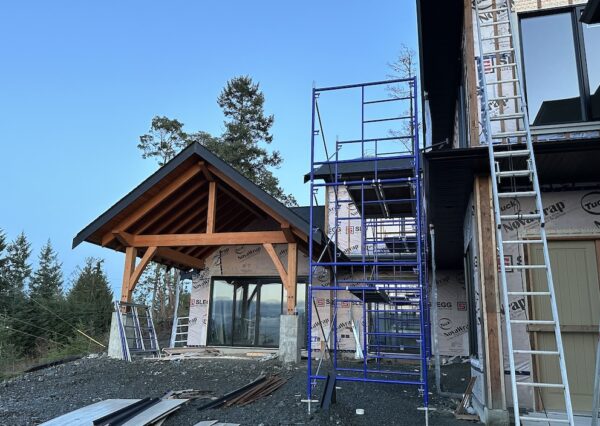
(515,177)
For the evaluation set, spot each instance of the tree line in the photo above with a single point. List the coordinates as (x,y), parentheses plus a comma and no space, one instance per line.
(40,314)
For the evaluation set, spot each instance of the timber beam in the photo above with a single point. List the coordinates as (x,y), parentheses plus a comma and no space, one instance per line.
(203,239)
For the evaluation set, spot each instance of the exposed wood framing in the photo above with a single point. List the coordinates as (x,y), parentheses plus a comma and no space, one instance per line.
(153,202)
(179,257)
(132,273)
(217,239)
(471,74)
(289,277)
(292,277)
(212,207)
(207,174)
(260,204)
(130,255)
(490,294)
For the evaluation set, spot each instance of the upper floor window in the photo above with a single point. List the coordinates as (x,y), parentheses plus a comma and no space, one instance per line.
(561,59)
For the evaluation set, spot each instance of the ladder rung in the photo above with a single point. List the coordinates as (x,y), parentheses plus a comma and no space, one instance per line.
(512,80)
(526,267)
(489,24)
(541,385)
(498,9)
(515,153)
(544,419)
(496,37)
(504,50)
(507,116)
(529,293)
(504,98)
(535,352)
(533,322)
(513,173)
(519,216)
(509,134)
(522,242)
(517,194)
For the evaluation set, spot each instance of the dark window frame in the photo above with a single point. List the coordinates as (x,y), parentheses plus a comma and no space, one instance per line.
(262,279)
(580,58)
(471,304)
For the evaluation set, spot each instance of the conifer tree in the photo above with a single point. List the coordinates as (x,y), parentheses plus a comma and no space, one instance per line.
(18,268)
(90,298)
(46,283)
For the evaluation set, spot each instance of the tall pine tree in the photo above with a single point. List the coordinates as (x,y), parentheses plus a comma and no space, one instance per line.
(164,140)
(247,130)
(18,267)
(90,298)
(46,283)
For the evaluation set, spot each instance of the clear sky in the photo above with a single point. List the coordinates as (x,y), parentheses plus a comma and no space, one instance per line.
(80,81)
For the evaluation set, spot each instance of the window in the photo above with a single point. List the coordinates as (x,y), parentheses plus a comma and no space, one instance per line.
(562,68)
(246,311)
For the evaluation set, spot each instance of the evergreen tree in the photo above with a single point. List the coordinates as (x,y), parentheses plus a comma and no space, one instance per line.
(18,268)
(246,128)
(3,272)
(90,298)
(164,140)
(46,283)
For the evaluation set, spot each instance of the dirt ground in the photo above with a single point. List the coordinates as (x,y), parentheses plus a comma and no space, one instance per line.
(35,397)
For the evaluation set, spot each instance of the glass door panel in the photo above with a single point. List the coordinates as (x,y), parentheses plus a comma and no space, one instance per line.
(270,310)
(244,331)
(221,312)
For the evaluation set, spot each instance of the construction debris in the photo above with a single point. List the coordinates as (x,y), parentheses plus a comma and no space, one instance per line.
(126,412)
(464,410)
(189,394)
(215,423)
(249,393)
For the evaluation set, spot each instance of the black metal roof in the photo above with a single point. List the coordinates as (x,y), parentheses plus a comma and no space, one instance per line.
(591,13)
(202,153)
(347,170)
(449,176)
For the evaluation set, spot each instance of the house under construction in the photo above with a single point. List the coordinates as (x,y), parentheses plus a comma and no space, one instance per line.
(452,216)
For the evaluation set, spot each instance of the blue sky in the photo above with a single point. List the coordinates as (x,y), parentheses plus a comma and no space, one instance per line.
(80,81)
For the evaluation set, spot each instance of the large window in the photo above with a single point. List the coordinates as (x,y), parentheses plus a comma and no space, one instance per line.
(561,58)
(246,311)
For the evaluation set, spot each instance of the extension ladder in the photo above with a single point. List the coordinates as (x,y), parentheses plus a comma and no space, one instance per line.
(515,178)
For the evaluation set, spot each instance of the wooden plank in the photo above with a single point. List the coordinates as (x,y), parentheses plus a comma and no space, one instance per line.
(178,257)
(130,255)
(207,174)
(292,277)
(212,207)
(273,255)
(153,202)
(288,233)
(471,75)
(490,293)
(139,269)
(217,239)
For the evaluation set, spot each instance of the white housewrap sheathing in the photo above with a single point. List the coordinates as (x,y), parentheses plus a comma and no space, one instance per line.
(568,213)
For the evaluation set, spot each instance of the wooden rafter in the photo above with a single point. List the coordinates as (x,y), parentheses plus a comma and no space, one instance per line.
(173,209)
(207,174)
(153,202)
(177,217)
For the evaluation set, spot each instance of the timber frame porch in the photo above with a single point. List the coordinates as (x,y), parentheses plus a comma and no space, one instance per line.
(189,207)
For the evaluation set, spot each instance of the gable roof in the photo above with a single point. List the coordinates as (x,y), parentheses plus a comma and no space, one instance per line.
(194,152)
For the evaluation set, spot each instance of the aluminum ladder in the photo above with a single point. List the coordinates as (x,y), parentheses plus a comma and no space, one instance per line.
(518,167)
(137,331)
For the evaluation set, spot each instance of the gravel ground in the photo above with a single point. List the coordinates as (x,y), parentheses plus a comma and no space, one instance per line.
(39,396)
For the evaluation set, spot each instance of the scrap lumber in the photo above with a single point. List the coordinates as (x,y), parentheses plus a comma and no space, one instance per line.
(220,401)
(259,391)
(461,412)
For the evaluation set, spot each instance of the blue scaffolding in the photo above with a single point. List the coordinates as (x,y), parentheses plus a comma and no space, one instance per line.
(373,190)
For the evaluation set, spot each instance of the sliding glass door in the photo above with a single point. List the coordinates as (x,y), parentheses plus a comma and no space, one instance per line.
(246,311)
